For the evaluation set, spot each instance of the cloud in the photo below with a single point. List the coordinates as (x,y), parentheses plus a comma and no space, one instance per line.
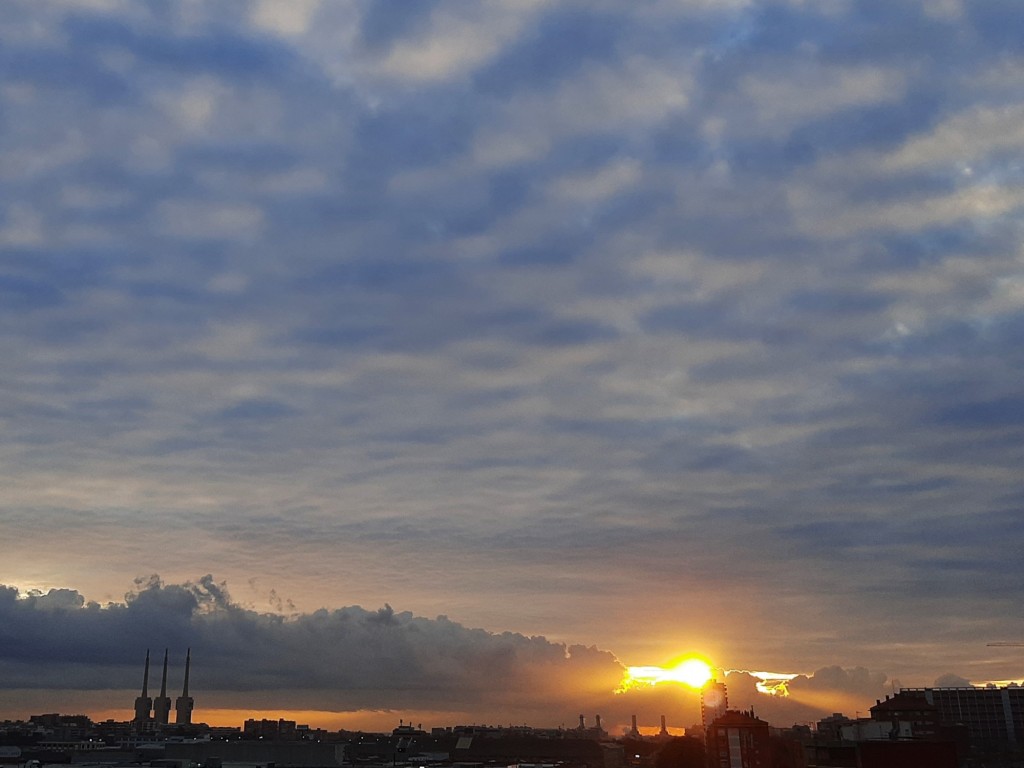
(291,19)
(352,659)
(781,103)
(556,302)
(808,698)
(193,219)
(949,680)
(347,658)
(451,43)
(961,139)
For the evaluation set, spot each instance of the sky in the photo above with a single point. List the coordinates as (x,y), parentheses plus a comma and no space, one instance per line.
(444,359)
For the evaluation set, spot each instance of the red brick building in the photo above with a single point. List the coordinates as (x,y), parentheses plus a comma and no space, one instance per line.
(739,740)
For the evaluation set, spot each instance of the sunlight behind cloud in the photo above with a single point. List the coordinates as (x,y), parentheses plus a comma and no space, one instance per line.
(691,671)
(770,683)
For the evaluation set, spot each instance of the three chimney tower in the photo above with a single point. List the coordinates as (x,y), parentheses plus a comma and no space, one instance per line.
(161,706)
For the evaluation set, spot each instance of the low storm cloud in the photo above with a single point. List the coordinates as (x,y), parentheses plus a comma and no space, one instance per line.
(347,658)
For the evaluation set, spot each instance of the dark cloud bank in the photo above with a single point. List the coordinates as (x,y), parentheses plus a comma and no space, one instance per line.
(349,659)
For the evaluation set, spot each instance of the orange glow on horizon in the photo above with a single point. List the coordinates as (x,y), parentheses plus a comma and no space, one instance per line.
(315,718)
(371,721)
(650,731)
(692,671)
(360,720)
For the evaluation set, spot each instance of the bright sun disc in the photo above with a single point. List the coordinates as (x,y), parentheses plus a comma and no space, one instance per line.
(693,672)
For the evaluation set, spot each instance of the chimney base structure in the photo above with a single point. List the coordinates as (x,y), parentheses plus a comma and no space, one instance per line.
(162,703)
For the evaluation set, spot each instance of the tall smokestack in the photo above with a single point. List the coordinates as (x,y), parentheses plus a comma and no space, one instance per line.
(597,719)
(664,730)
(163,678)
(583,724)
(162,703)
(143,704)
(184,703)
(633,730)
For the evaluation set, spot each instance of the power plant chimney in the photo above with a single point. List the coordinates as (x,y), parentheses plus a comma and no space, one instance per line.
(664,730)
(597,719)
(633,731)
(162,704)
(184,703)
(143,704)
(583,724)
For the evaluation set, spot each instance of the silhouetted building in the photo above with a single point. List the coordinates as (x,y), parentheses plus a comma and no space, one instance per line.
(911,708)
(597,732)
(829,728)
(994,717)
(273,730)
(866,730)
(738,740)
(54,720)
(408,729)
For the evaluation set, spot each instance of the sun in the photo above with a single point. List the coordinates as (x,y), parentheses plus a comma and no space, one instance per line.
(692,671)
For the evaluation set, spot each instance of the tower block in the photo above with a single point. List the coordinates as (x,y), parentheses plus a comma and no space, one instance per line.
(714,702)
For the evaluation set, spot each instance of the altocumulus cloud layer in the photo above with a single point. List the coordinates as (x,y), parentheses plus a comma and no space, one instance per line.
(659,326)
